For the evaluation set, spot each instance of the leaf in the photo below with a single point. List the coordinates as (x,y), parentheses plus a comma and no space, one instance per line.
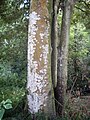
(2,110)
(8,101)
(3,102)
(7,106)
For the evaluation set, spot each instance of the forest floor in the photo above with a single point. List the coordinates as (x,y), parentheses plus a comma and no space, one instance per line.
(79,105)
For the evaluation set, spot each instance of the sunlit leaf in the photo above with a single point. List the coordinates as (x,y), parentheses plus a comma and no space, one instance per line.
(7,106)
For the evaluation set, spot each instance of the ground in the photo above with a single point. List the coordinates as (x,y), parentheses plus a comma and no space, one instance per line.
(79,106)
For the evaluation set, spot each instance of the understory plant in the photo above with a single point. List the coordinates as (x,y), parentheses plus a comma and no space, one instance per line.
(5,105)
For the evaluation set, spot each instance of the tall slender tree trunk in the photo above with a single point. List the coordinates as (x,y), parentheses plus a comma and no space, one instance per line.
(54,40)
(60,90)
(39,84)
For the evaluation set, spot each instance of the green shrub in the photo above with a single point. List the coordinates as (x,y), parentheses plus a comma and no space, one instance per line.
(5,105)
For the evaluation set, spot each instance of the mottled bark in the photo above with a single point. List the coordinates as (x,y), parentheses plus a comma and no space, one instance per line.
(60,90)
(39,84)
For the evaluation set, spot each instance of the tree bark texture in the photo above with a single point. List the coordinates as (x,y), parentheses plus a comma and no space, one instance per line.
(54,39)
(60,90)
(39,84)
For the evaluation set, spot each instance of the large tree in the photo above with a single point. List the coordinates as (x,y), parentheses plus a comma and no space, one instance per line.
(39,85)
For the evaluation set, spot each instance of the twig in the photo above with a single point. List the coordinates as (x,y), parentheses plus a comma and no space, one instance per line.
(73,84)
(80,9)
(58,102)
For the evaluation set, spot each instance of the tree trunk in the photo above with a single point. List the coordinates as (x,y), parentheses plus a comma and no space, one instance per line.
(39,84)
(54,39)
(60,90)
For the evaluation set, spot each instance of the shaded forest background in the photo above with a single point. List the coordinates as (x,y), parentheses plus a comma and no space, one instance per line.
(14,17)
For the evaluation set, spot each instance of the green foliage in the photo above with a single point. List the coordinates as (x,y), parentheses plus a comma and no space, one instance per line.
(5,105)
(78,54)
(82,13)
(2,111)
(13,43)
(78,41)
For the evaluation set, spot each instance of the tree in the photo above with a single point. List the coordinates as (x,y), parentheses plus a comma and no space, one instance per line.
(42,60)
(39,84)
(59,63)
(60,90)
(54,40)
(37,48)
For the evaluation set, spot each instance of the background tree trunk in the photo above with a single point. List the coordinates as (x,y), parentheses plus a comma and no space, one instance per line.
(60,89)
(39,84)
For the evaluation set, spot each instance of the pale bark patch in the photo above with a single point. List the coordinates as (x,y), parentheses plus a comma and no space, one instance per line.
(37,66)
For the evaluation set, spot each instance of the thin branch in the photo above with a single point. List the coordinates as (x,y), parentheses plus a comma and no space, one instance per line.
(73,84)
(84,11)
(80,9)
(86,4)
(58,102)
